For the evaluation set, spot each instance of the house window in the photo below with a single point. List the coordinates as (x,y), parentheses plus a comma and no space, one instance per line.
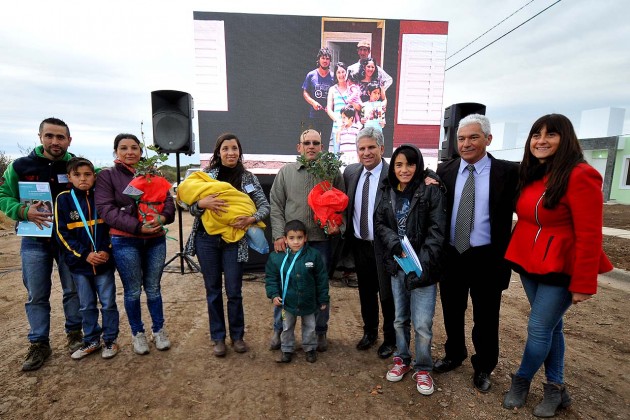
(422,63)
(625,177)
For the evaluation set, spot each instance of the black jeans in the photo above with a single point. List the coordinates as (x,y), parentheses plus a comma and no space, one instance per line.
(367,276)
(216,258)
(471,272)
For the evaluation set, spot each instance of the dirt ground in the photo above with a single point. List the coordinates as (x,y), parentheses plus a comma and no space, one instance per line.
(188,382)
(618,250)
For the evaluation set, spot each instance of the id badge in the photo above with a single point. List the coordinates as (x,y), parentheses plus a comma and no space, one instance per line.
(62,178)
(283,317)
(249,188)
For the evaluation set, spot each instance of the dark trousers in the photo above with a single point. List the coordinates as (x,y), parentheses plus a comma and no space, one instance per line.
(323,125)
(367,276)
(471,272)
(217,257)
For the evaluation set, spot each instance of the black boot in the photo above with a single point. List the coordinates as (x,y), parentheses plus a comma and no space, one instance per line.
(285,358)
(555,396)
(516,396)
(274,344)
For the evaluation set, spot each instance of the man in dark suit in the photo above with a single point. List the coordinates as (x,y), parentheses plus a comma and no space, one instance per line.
(480,200)
(368,255)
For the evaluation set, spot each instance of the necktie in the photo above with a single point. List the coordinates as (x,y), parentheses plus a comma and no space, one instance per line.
(364,228)
(465,213)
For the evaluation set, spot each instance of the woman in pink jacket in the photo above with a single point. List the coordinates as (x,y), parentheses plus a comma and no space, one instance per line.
(556,247)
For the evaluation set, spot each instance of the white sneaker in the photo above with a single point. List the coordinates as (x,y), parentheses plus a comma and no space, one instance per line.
(140,344)
(85,350)
(110,350)
(161,340)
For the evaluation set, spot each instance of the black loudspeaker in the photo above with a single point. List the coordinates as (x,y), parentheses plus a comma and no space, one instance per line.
(452,116)
(172,121)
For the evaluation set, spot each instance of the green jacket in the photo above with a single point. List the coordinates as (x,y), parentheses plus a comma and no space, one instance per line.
(308,281)
(35,168)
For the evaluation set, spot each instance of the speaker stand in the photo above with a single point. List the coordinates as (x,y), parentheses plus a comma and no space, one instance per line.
(193,267)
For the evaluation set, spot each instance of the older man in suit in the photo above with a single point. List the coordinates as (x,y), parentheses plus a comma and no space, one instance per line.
(362,181)
(480,199)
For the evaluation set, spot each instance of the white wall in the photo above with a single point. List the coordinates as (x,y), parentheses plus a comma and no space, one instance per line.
(503,136)
(601,122)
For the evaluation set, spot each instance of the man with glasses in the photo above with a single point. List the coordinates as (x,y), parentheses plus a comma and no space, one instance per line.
(288,198)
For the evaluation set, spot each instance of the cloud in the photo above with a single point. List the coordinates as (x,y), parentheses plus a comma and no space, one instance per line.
(95,66)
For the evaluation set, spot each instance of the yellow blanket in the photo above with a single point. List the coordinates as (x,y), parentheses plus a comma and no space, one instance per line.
(199,185)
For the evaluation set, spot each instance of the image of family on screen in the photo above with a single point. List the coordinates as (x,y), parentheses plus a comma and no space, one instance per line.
(343,98)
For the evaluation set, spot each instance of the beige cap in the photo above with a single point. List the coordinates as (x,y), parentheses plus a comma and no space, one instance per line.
(364,44)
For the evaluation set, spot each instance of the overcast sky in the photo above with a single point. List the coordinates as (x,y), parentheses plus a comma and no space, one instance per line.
(94,64)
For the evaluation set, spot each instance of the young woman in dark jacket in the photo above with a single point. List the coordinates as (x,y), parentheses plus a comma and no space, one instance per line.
(412,209)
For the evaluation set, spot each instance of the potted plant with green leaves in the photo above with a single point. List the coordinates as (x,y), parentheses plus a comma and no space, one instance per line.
(148,187)
(326,201)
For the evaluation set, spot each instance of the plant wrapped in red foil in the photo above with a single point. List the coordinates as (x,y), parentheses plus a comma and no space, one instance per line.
(326,201)
(148,187)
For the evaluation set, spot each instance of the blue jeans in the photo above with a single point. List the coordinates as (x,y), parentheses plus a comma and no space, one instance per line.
(89,288)
(216,256)
(321,317)
(287,338)
(140,263)
(37,264)
(417,306)
(545,338)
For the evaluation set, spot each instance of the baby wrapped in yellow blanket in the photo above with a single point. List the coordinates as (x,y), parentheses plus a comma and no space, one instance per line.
(199,185)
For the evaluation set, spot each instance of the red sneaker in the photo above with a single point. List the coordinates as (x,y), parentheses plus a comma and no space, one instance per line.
(396,373)
(424,382)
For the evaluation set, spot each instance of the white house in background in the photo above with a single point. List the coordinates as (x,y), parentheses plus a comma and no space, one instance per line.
(600,133)
(604,148)
(620,187)
(601,122)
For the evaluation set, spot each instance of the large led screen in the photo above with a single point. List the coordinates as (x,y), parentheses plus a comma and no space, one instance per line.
(251,70)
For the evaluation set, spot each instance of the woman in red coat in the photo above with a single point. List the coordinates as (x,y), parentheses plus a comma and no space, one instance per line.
(556,247)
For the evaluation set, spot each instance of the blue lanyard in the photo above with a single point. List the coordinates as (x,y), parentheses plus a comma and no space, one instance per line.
(285,282)
(85,225)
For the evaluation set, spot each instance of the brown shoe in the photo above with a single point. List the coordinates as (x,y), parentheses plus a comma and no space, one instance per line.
(219,348)
(239,346)
(75,340)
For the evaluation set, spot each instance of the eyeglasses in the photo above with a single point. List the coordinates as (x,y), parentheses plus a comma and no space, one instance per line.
(314,143)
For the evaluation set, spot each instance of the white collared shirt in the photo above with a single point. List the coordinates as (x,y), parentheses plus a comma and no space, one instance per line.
(480,234)
(358,196)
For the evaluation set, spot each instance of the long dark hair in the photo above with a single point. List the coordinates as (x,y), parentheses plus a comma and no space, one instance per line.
(364,63)
(559,166)
(232,175)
